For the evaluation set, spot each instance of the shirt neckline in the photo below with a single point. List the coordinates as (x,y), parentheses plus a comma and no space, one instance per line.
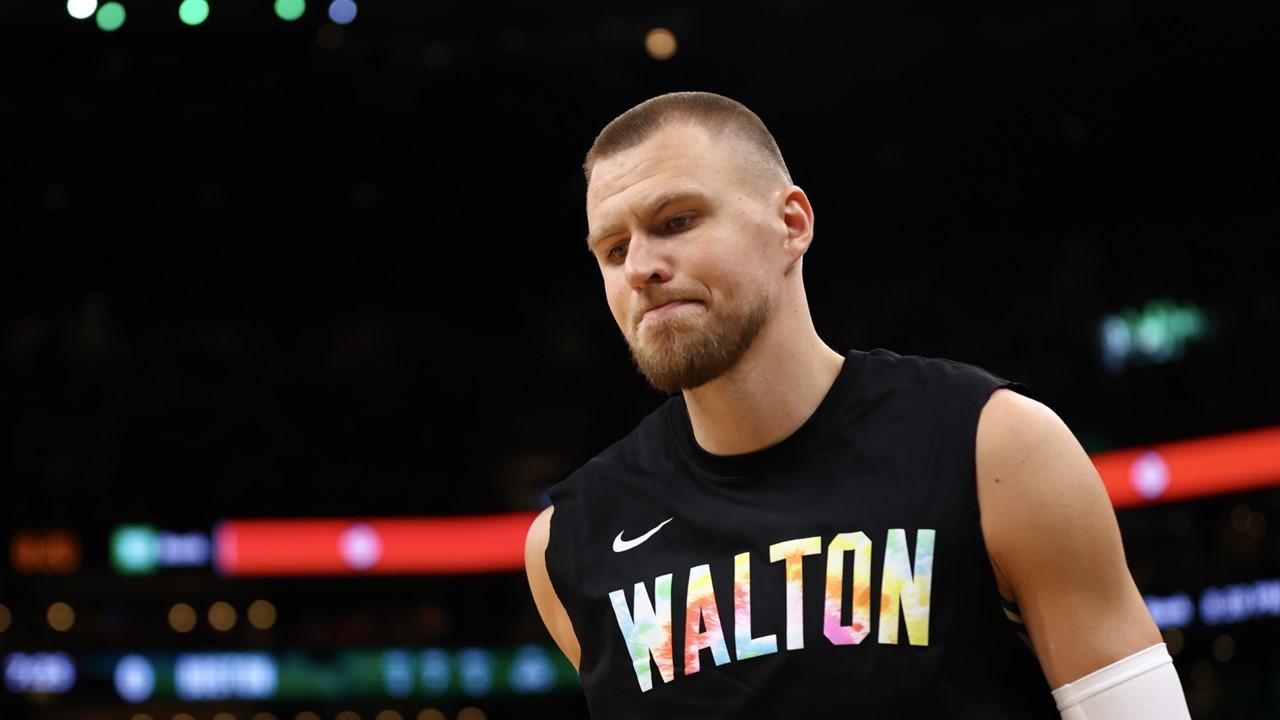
(781,453)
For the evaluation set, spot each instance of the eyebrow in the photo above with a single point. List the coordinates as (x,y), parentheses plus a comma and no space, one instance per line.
(666,198)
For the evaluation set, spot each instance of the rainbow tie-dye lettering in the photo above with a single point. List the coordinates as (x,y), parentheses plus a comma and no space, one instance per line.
(647,629)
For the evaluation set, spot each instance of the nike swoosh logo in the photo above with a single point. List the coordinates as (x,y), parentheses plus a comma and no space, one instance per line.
(620,545)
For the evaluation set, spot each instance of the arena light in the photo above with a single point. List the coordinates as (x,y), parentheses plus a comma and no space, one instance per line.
(660,43)
(295,675)
(45,673)
(51,552)
(1158,333)
(1171,611)
(110,17)
(1189,469)
(134,677)
(225,676)
(386,546)
(1218,605)
(82,9)
(290,10)
(342,12)
(141,549)
(193,12)
(1240,602)
(61,616)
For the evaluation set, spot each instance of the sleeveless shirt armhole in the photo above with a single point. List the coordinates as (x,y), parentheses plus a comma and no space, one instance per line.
(1020,388)
(560,557)
(1013,614)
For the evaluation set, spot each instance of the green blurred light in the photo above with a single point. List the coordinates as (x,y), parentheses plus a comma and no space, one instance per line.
(1158,333)
(290,9)
(135,549)
(193,12)
(110,16)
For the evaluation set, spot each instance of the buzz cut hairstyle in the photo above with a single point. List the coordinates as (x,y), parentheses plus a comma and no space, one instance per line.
(715,113)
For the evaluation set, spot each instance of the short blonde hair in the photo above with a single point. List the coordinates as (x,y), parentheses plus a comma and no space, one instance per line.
(710,111)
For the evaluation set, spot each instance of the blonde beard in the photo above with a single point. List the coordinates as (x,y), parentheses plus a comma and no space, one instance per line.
(676,353)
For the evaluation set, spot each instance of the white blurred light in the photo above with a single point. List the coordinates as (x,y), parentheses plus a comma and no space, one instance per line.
(360,546)
(82,9)
(1149,474)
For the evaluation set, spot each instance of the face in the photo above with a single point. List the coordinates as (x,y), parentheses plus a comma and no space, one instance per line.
(689,253)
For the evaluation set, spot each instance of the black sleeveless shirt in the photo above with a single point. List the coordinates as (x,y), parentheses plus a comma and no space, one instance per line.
(838,573)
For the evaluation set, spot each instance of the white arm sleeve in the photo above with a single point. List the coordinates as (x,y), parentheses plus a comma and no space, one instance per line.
(1143,686)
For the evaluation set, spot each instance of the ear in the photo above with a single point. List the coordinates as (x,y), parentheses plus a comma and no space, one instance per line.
(797,216)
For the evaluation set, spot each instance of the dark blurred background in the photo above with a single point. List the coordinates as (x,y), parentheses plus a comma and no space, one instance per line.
(332,267)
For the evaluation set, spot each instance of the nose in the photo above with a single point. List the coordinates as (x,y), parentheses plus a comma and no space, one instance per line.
(648,261)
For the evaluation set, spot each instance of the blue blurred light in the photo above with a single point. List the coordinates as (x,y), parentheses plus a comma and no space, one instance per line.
(183,550)
(44,672)
(342,12)
(397,673)
(135,679)
(435,671)
(531,670)
(1171,611)
(1238,603)
(219,676)
(1158,333)
(475,671)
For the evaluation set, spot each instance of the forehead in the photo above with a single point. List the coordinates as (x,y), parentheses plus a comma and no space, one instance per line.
(683,155)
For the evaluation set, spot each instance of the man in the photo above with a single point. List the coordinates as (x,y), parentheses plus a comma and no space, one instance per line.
(801,533)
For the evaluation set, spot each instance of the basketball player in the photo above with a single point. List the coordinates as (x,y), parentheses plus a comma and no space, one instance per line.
(803,533)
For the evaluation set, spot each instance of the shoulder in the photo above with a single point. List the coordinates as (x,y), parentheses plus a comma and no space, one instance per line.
(950,390)
(1019,436)
(539,532)
(535,548)
(931,372)
(1053,538)
(1030,465)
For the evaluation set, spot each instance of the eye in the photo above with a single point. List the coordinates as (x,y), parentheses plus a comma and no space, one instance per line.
(674,223)
(614,253)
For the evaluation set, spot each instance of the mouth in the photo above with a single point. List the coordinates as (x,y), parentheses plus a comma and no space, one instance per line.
(659,310)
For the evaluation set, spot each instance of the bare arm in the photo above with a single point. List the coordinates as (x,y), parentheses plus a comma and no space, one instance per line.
(544,595)
(1052,535)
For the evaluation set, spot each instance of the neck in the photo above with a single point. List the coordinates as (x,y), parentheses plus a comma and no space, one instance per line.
(769,394)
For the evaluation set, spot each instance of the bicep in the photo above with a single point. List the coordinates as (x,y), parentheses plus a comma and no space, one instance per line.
(1050,528)
(548,603)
